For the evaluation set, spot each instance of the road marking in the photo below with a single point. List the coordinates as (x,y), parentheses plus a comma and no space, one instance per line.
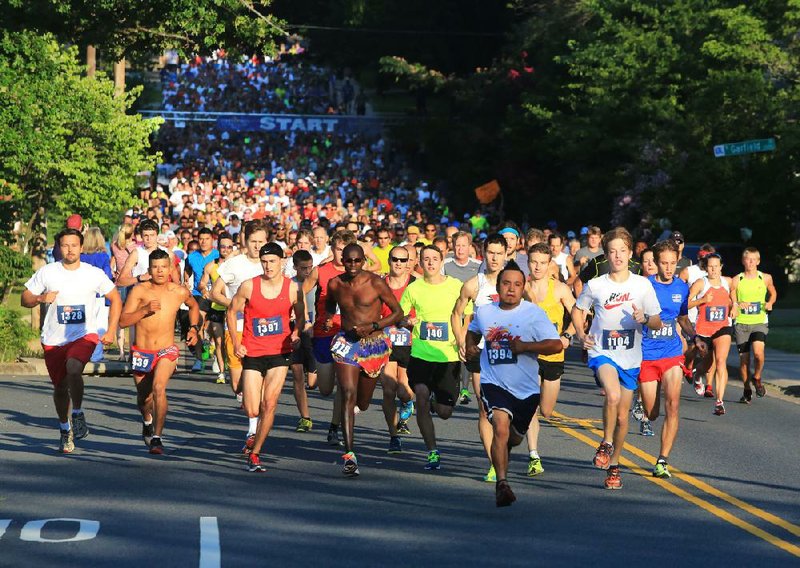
(703,504)
(210,555)
(32,531)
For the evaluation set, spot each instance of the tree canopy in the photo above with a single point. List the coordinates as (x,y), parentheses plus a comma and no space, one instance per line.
(131,27)
(66,142)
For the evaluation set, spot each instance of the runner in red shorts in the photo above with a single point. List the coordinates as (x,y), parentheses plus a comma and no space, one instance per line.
(662,350)
(69,333)
(152,307)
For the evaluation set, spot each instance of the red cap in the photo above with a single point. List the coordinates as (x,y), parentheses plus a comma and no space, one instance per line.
(74,221)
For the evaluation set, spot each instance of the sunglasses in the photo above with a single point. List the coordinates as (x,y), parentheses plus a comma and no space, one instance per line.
(395,259)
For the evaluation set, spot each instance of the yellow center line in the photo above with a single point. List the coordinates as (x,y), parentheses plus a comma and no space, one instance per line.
(703,504)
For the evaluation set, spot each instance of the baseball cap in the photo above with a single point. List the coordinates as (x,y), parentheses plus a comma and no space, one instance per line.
(271,248)
(677,236)
(570,234)
(509,230)
(413,230)
(170,234)
(584,230)
(74,221)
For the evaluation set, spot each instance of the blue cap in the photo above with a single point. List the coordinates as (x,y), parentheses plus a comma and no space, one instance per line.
(584,230)
(570,234)
(511,230)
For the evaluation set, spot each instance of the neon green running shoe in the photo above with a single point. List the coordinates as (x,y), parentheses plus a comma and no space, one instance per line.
(534,467)
(661,470)
(304,425)
(491,476)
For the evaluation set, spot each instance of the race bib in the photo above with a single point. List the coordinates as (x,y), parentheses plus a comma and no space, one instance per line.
(434,331)
(499,352)
(716,313)
(142,362)
(618,339)
(341,347)
(267,326)
(752,309)
(399,336)
(69,315)
(667,332)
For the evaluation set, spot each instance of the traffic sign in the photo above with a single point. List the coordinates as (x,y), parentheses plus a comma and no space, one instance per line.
(746,147)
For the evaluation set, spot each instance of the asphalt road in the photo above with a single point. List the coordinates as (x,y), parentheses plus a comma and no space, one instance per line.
(736,500)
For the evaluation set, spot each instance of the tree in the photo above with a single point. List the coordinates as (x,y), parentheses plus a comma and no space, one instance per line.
(66,142)
(129,27)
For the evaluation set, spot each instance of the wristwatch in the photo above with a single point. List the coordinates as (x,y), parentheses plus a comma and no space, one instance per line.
(567,335)
(195,327)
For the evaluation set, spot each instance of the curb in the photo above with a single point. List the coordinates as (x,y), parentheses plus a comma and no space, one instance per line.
(38,367)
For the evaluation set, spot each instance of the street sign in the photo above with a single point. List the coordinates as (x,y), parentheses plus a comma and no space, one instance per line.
(746,147)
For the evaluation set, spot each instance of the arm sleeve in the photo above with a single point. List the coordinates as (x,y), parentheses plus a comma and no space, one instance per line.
(585,300)
(650,301)
(36,283)
(474,324)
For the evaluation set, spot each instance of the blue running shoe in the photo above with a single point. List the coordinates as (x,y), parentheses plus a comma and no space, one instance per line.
(406,410)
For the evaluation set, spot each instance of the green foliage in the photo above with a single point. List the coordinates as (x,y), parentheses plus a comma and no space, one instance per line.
(14,334)
(66,142)
(14,266)
(130,27)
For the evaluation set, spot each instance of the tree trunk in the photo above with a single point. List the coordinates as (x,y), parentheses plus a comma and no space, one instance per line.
(91,60)
(36,242)
(119,76)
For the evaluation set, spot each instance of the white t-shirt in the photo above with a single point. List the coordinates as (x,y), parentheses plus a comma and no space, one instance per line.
(694,273)
(72,315)
(517,374)
(616,334)
(233,272)
(319,257)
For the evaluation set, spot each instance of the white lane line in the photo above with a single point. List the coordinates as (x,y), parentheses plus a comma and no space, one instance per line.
(210,555)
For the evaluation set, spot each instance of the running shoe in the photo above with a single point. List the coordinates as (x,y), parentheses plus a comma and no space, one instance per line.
(402,428)
(198,366)
(534,467)
(645,429)
(613,478)
(699,388)
(637,410)
(603,455)
(248,444)
(221,379)
(491,475)
(147,433)
(760,389)
(719,408)
(350,468)
(709,392)
(156,447)
(79,427)
(747,396)
(406,410)
(661,470)
(304,425)
(395,445)
(463,397)
(503,496)
(434,461)
(333,438)
(67,445)
(687,372)
(254,464)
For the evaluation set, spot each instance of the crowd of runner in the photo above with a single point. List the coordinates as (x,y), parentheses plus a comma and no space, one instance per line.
(327,261)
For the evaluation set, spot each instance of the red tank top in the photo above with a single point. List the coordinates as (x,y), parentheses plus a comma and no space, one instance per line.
(714,315)
(325,273)
(398,293)
(266,322)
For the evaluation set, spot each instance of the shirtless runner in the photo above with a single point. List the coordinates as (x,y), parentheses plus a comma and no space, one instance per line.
(152,307)
(362,348)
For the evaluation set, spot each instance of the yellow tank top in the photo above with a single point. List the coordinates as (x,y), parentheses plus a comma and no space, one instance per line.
(555,313)
(213,274)
(753,291)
